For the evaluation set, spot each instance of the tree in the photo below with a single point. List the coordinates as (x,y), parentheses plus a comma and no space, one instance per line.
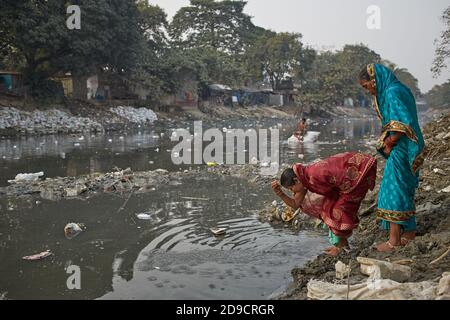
(439,96)
(443,46)
(153,24)
(277,56)
(334,76)
(109,38)
(220,25)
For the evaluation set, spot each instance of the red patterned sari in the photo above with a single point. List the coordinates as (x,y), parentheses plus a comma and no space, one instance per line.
(336,187)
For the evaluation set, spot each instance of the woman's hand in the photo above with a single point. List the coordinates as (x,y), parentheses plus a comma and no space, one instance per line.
(387,150)
(277,188)
(389,144)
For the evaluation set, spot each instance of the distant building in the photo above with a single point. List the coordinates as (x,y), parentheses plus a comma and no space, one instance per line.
(66,82)
(218,95)
(11,82)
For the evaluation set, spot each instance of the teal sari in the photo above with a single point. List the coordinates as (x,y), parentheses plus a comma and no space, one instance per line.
(396,108)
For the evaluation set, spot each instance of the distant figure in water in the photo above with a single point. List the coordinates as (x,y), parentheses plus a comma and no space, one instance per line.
(401,144)
(330,190)
(302,127)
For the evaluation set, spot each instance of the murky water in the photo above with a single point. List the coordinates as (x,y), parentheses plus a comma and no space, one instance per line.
(73,155)
(173,254)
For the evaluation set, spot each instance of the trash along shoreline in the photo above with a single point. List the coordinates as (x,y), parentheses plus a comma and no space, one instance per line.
(82,117)
(19,118)
(419,270)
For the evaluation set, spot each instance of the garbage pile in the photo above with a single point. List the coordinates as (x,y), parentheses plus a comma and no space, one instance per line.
(135,115)
(45,122)
(436,168)
(119,181)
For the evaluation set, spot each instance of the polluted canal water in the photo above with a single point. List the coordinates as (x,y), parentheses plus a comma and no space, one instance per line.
(160,246)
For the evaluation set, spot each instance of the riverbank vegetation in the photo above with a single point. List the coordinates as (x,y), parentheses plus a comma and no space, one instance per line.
(212,41)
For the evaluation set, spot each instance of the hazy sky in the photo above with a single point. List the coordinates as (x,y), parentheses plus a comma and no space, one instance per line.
(406,37)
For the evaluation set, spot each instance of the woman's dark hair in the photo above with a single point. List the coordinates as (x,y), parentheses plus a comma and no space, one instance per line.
(304,119)
(287,178)
(364,75)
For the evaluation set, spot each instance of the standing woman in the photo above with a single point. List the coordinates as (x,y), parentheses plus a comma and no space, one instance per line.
(401,143)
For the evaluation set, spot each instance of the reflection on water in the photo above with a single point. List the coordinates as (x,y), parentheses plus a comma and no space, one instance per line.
(65,155)
(171,254)
(148,150)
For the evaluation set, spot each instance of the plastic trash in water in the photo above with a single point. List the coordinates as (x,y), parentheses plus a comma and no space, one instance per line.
(144,216)
(38,256)
(71,230)
(311,136)
(265,164)
(218,231)
(211,164)
(27,177)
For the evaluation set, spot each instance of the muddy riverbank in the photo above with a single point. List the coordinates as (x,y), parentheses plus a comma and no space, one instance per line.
(433,234)
(20,117)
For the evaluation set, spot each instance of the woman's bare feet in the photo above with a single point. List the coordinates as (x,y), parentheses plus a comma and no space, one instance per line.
(335,250)
(410,235)
(394,241)
(332,251)
(387,247)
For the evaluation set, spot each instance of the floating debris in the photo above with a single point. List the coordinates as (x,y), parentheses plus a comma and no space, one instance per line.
(72,229)
(193,198)
(38,256)
(144,216)
(289,214)
(218,231)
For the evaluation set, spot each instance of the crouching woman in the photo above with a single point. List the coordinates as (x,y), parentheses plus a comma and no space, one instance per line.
(330,190)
